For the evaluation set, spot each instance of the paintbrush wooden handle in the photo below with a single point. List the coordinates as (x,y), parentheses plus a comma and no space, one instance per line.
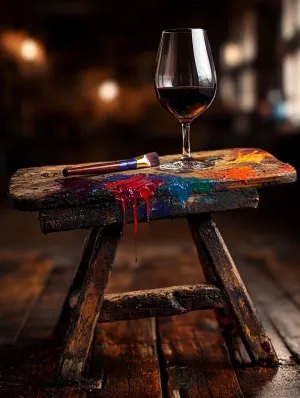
(100,168)
(148,160)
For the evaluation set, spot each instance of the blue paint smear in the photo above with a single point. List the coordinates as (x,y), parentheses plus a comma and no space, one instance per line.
(182,187)
(160,209)
(176,186)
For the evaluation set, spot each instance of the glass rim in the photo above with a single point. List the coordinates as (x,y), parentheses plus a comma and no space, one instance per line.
(182,30)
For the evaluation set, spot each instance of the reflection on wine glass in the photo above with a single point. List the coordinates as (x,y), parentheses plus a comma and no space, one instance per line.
(186,84)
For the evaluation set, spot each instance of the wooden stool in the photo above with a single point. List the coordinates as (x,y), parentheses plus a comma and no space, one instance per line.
(102,203)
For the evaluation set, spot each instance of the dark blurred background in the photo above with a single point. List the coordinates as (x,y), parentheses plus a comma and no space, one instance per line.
(76,82)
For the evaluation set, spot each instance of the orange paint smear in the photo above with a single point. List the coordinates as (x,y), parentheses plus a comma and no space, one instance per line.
(240,173)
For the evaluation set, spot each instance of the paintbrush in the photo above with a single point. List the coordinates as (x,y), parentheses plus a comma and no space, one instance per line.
(148,160)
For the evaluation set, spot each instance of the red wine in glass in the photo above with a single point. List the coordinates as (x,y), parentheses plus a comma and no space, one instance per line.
(186,84)
(186,103)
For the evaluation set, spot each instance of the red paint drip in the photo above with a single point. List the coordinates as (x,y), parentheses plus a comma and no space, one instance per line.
(130,190)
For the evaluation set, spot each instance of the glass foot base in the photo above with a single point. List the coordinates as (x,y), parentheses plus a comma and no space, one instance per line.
(186,166)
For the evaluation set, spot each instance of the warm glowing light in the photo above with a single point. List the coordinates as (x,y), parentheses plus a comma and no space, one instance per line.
(232,54)
(108,91)
(29,50)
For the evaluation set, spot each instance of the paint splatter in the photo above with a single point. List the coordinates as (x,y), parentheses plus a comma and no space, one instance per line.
(242,173)
(129,190)
(246,155)
(182,188)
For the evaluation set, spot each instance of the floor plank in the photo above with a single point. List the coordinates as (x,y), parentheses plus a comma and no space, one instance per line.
(269,296)
(43,318)
(193,352)
(29,364)
(280,317)
(125,355)
(186,353)
(270,382)
(20,288)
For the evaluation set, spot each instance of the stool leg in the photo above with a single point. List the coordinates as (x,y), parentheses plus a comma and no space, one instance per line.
(224,315)
(77,282)
(85,315)
(210,242)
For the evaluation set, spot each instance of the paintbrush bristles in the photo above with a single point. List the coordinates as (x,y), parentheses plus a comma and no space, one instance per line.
(148,160)
(153,159)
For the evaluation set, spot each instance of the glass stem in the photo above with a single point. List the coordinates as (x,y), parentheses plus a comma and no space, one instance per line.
(186,146)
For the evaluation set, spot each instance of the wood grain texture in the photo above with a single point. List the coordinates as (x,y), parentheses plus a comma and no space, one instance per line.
(281,320)
(125,353)
(77,281)
(207,236)
(126,359)
(269,295)
(44,187)
(70,218)
(19,291)
(84,318)
(193,356)
(27,366)
(175,300)
(43,317)
(226,321)
(188,368)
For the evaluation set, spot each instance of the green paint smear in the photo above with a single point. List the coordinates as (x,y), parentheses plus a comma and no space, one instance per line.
(202,186)
(182,187)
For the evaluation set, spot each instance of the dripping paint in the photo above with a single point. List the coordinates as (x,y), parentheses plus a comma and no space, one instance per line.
(128,191)
(144,186)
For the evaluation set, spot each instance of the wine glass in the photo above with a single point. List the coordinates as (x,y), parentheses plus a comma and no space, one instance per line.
(186,84)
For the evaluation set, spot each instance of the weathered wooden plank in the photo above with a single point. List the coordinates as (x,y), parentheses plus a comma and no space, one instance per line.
(44,187)
(276,263)
(207,238)
(270,382)
(193,355)
(275,302)
(125,354)
(43,317)
(127,359)
(84,318)
(164,207)
(175,300)
(27,367)
(196,359)
(282,351)
(225,318)
(19,291)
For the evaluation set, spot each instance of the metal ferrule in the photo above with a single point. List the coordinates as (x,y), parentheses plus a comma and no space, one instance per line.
(142,161)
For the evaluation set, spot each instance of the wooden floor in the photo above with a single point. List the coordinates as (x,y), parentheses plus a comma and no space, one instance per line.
(179,357)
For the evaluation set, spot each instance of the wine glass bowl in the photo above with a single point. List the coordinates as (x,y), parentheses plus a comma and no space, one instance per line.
(186,83)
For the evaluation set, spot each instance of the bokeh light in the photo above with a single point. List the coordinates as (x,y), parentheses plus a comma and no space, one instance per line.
(29,50)
(108,91)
